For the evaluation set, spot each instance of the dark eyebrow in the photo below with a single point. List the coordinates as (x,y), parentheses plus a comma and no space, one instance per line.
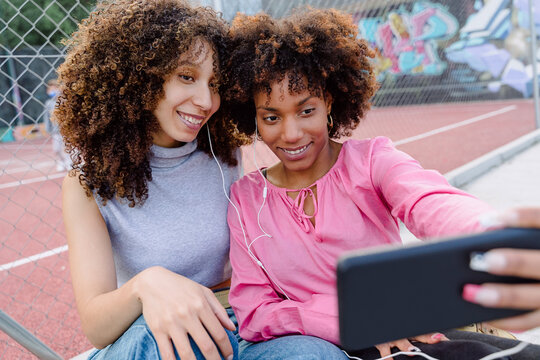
(300,103)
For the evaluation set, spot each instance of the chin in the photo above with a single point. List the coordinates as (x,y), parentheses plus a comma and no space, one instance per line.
(186,138)
(296,165)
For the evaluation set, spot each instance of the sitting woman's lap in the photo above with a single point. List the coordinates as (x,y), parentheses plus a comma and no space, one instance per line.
(292,347)
(138,343)
(462,346)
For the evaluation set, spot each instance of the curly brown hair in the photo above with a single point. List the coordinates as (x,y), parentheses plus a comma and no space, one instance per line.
(112,80)
(320,46)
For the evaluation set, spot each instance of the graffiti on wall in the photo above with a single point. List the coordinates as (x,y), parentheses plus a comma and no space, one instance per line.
(406,41)
(495,41)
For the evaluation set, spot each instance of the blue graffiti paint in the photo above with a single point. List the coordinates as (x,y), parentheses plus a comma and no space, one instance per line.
(407,41)
(489,42)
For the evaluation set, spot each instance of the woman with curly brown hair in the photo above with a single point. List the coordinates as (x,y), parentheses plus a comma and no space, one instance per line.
(299,83)
(144,208)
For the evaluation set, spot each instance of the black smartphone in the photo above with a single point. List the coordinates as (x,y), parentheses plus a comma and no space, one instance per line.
(388,294)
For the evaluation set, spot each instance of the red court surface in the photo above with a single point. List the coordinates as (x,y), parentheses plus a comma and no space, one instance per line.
(37,292)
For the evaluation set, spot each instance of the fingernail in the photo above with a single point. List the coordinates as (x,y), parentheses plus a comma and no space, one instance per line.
(230,357)
(498,219)
(487,261)
(469,292)
(437,336)
(480,295)
(490,220)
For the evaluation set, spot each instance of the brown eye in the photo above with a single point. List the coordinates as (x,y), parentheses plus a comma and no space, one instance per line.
(308,111)
(186,78)
(270,118)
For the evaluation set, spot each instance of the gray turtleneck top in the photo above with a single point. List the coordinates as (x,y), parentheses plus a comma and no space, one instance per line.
(182,226)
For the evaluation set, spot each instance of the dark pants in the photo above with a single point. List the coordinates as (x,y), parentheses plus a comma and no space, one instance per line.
(464,345)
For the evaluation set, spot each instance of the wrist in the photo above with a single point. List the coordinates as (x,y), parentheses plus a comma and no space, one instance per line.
(143,281)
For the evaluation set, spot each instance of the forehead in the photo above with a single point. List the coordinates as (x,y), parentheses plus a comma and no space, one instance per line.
(198,52)
(281,91)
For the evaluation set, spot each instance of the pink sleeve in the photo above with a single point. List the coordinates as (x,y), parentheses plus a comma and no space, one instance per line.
(263,314)
(423,199)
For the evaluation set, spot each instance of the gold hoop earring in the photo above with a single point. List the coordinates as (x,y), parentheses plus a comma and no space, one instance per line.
(330,121)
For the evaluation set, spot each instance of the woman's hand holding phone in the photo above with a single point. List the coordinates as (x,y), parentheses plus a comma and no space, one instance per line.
(511,262)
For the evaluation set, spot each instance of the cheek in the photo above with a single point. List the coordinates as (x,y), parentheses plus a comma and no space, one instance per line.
(216,102)
(321,127)
(158,111)
(268,133)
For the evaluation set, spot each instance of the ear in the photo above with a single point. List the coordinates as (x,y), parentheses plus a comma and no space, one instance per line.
(328,100)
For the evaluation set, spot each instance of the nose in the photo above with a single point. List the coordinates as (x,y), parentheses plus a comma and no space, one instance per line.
(291,130)
(203,97)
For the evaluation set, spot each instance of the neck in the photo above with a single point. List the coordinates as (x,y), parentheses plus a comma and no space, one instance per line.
(283,177)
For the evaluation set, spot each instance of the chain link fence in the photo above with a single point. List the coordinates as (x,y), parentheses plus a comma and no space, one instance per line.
(456,76)
(35,288)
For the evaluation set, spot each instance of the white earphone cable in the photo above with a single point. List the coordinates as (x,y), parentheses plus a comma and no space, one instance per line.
(496,355)
(513,350)
(265,190)
(410,353)
(240,219)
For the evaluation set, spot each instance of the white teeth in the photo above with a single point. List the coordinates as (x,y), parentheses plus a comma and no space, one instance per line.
(191,119)
(294,152)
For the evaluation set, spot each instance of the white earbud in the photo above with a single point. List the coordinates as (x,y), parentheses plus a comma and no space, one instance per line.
(248,246)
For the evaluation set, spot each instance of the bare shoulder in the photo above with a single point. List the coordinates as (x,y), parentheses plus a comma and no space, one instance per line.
(71,181)
(81,213)
(74,195)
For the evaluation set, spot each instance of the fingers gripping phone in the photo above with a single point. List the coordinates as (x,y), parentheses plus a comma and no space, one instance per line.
(395,293)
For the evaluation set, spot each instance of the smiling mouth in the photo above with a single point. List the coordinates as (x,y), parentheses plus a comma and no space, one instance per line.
(296,151)
(191,119)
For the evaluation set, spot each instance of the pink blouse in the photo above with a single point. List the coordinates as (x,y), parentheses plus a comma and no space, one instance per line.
(359,200)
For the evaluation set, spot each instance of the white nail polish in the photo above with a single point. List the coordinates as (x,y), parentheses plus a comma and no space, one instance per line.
(487,261)
(478,262)
(498,219)
(491,220)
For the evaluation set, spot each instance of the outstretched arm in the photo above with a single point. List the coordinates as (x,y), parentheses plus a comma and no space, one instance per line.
(423,199)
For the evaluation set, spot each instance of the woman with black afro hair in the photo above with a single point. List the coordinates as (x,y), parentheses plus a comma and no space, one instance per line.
(299,84)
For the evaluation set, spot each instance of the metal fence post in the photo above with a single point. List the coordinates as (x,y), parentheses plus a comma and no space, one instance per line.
(534,63)
(18,333)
